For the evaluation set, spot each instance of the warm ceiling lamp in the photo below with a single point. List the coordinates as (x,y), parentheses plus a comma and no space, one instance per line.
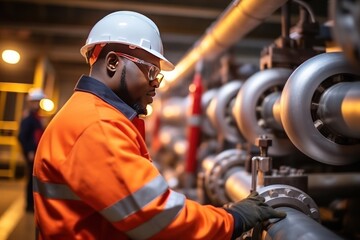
(47,105)
(10,56)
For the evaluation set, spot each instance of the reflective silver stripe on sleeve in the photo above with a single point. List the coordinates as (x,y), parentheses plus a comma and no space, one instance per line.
(136,201)
(174,205)
(53,190)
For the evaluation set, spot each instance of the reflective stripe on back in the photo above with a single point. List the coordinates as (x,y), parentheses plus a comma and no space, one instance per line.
(148,229)
(136,201)
(53,190)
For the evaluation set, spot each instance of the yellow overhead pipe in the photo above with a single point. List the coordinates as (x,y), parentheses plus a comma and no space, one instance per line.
(40,72)
(236,21)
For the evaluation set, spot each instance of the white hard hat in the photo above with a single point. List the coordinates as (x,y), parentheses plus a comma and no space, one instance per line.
(35,94)
(130,28)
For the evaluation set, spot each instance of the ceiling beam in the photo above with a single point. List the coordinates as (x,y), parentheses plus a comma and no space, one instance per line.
(144,7)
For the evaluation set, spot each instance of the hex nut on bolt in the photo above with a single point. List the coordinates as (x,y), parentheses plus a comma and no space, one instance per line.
(263,142)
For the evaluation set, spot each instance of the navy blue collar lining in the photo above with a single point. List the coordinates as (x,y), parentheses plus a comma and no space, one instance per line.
(93,86)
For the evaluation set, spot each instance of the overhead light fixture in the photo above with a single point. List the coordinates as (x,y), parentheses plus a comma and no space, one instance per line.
(47,105)
(10,56)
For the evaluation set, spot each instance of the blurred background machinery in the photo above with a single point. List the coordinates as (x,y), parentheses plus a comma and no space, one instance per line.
(284,123)
(288,128)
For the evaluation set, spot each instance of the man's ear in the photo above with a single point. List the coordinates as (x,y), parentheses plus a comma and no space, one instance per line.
(112,60)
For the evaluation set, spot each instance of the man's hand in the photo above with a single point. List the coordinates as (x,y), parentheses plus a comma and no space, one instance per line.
(252,210)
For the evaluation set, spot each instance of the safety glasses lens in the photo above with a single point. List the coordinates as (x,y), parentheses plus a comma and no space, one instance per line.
(153,72)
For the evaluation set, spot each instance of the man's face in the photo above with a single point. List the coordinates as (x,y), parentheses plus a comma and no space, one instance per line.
(34,105)
(135,88)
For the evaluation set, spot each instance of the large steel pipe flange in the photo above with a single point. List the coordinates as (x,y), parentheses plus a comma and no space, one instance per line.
(220,112)
(217,169)
(302,220)
(312,127)
(280,195)
(255,109)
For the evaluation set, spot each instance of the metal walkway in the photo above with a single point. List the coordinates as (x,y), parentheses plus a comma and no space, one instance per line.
(15,222)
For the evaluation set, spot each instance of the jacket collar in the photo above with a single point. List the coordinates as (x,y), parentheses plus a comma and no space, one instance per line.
(94,86)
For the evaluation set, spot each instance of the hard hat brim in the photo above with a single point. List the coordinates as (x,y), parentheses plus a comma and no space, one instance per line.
(165,64)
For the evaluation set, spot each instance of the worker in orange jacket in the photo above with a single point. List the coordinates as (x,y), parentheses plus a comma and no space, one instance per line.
(93,176)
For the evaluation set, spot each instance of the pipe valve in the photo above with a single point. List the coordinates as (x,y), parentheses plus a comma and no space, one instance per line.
(260,164)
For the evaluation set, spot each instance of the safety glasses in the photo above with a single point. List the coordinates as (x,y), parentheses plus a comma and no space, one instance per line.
(153,72)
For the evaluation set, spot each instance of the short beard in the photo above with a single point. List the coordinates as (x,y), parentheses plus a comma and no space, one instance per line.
(139,109)
(123,93)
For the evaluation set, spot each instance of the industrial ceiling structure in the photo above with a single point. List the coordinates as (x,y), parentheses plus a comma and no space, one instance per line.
(56,29)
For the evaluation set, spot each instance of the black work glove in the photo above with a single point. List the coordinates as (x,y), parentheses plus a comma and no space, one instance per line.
(251,211)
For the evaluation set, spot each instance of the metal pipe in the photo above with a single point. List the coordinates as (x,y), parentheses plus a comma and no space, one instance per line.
(271,111)
(285,20)
(255,106)
(320,185)
(326,185)
(339,108)
(297,225)
(173,111)
(234,23)
(238,185)
(299,109)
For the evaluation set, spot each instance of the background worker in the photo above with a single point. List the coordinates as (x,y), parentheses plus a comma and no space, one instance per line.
(30,131)
(93,176)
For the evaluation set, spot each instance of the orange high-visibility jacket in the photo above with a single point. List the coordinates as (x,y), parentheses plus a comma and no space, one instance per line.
(94,179)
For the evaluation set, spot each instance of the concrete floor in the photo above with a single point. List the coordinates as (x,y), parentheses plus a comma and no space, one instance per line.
(15,222)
